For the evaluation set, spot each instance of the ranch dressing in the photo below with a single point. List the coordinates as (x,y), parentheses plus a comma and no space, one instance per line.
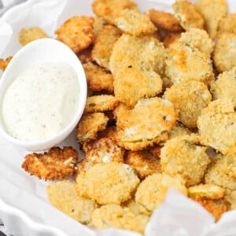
(40,102)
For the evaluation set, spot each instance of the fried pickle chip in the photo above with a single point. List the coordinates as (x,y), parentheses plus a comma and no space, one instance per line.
(165,20)
(224,52)
(225,86)
(132,83)
(231,199)
(133,22)
(146,53)
(99,23)
(217,126)
(98,79)
(77,32)
(56,164)
(136,208)
(90,125)
(185,157)
(171,38)
(111,9)
(189,98)
(198,38)
(212,11)
(228,24)
(108,183)
(146,124)
(178,130)
(101,103)
(113,215)
(4,63)
(27,35)
(85,55)
(188,15)
(64,197)
(188,63)
(143,162)
(209,191)
(104,43)
(152,191)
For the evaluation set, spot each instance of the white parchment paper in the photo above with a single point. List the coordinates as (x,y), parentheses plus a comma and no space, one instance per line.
(178,215)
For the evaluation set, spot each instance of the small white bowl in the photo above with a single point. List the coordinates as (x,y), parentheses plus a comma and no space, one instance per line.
(37,52)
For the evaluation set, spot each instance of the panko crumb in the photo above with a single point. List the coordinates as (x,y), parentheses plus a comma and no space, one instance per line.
(27,35)
(108,183)
(185,157)
(4,63)
(90,124)
(77,32)
(152,191)
(56,164)
(64,197)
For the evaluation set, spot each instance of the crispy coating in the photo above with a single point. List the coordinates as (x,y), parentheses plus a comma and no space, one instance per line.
(188,15)
(136,133)
(224,52)
(111,9)
(185,157)
(143,162)
(132,83)
(225,86)
(77,32)
(115,183)
(231,199)
(101,103)
(113,215)
(187,63)
(212,11)
(133,22)
(104,43)
(223,172)
(198,38)
(98,79)
(85,55)
(4,63)
(90,125)
(152,191)
(189,98)
(165,20)
(27,35)
(64,197)
(217,126)
(56,164)
(228,24)
(170,39)
(98,25)
(178,130)
(136,208)
(216,207)
(146,53)
(209,191)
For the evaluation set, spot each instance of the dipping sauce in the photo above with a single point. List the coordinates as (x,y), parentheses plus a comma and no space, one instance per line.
(40,102)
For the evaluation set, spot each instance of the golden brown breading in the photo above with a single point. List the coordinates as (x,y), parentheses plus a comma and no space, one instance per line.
(185,157)
(111,9)
(217,126)
(113,215)
(165,20)
(212,11)
(90,124)
(188,15)
(136,208)
(98,79)
(108,183)
(228,24)
(64,197)
(187,63)
(152,191)
(209,191)
(4,63)
(146,124)
(143,162)
(85,55)
(216,207)
(27,35)
(231,199)
(133,22)
(101,103)
(170,39)
(98,25)
(56,164)
(104,43)
(77,32)
(178,130)
(189,98)
(224,52)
